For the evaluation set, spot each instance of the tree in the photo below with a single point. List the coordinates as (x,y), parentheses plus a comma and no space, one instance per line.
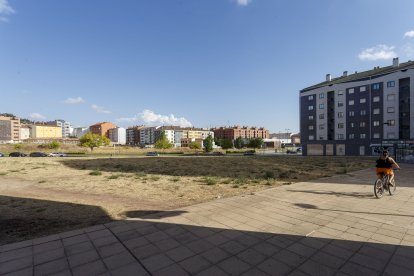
(256,143)
(217,141)
(162,142)
(239,143)
(195,146)
(208,143)
(92,140)
(227,143)
(54,145)
(18,146)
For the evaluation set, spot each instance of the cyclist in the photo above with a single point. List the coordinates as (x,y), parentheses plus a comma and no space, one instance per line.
(385,165)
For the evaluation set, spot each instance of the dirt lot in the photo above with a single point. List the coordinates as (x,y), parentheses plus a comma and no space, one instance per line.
(41,196)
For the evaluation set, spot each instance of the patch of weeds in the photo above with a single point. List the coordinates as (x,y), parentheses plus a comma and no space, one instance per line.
(256,181)
(115,176)
(284,174)
(269,174)
(118,166)
(210,180)
(140,174)
(128,168)
(35,168)
(144,181)
(241,180)
(14,170)
(235,186)
(154,178)
(83,167)
(3,173)
(226,181)
(175,179)
(287,183)
(95,172)
(41,181)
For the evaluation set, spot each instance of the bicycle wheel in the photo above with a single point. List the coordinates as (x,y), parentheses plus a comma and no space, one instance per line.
(392,188)
(378,188)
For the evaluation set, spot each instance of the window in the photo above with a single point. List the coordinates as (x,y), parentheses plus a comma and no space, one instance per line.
(321,106)
(376,123)
(340,114)
(391,97)
(310,107)
(391,84)
(351,114)
(310,117)
(362,124)
(376,99)
(376,111)
(361,150)
(351,91)
(322,126)
(363,112)
(362,136)
(352,125)
(321,137)
(310,127)
(390,109)
(322,116)
(363,100)
(376,136)
(390,135)
(391,122)
(340,104)
(321,95)
(340,125)
(375,86)
(340,92)
(311,137)
(351,136)
(340,137)
(310,98)
(351,102)
(362,89)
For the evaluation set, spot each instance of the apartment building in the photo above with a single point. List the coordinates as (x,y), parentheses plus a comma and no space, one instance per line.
(356,114)
(147,135)
(235,132)
(40,131)
(24,132)
(133,136)
(78,132)
(9,129)
(102,128)
(67,128)
(117,135)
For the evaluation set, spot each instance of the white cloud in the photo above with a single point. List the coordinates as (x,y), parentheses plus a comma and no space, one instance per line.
(100,109)
(409,34)
(148,117)
(37,116)
(76,100)
(5,10)
(408,50)
(243,2)
(378,52)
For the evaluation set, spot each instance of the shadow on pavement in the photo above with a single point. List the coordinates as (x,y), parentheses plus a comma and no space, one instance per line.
(152,214)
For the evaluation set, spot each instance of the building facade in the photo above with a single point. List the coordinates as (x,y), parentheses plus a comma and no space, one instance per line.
(102,128)
(117,135)
(24,132)
(360,113)
(78,132)
(45,132)
(9,129)
(67,128)
(133,137)
(235,132)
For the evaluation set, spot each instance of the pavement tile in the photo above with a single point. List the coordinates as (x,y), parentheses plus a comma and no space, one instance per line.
(47,246)
(83,258)
(216,239)
(121,228)
(403,261)
(128,235)
(75,239)
(118,260)
(78,248)
(94,228)
(274,267)
(148,229)
(156,237)
(62,273)
(133,269)
(255,272)
(99,234)
(103,241)
(180,253)
(232,247)
(24,272)
(51,267)
(266,248)
(186,237)
(328,260)
(17,245)
(234,266)
(157,262)
(136,242)
(302,250)
(199,246)
(404,251)
(212,270)
(93,268)
(194,264)
(355,269)
(71,233)
(280,241)
(215,255)
(289,258)
(314,268)
(385,239)
(203,232)
(167,244)
(172,270)
(109,250)
(376,253)
(16,264)
(337,251)
(15,254)
(145,251)
(392,270)
(46,239)
(47,256)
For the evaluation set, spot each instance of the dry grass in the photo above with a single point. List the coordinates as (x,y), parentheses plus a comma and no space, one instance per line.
(102,189)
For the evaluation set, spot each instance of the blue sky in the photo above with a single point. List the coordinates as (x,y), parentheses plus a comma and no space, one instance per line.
(190,62)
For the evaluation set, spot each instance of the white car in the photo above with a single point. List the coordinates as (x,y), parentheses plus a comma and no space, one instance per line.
(57,154)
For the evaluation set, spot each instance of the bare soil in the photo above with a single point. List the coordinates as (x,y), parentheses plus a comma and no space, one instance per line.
(42,196)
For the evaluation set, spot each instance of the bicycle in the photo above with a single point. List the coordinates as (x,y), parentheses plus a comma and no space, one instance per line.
(383,184)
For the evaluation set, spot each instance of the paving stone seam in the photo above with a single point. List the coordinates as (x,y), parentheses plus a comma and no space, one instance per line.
(127,249)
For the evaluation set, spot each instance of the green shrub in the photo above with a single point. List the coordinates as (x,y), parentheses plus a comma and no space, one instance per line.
(154,178)
(269,174)
(210,180)
(96,172)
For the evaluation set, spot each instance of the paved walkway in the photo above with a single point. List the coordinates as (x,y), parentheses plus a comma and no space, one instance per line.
(330,227)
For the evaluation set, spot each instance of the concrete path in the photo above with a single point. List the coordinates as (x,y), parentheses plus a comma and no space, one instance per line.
(334,226)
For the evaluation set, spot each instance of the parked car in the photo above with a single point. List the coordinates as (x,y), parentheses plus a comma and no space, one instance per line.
(289,151)
(217,153)
(249,153)
(17,154)
(1,154)
(57,154)
(152,153)
(38,154)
